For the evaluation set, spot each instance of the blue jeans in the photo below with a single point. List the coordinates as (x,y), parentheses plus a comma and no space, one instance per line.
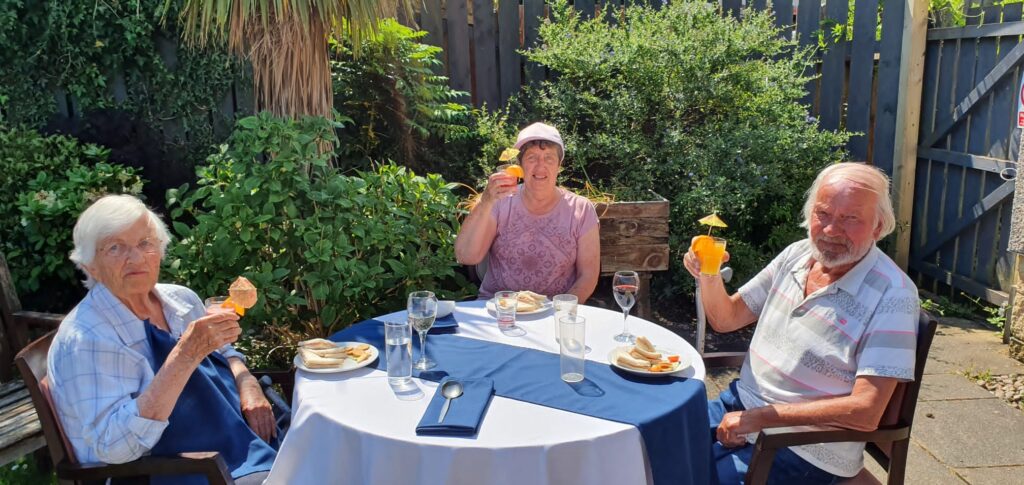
(731,463)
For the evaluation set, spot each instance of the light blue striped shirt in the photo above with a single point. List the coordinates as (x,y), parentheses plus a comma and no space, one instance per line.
(99,363)
(814,347)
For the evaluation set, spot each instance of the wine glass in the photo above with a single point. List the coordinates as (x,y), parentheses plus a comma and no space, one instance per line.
(624,286)
(422,309)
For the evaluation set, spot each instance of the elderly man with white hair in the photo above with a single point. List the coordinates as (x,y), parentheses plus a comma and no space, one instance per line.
(836,331)
(139,367)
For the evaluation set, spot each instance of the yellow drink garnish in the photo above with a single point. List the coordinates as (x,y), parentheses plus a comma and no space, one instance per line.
(508,154)
(713,221)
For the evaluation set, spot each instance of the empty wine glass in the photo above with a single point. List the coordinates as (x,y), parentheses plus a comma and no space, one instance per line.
(422,309)
(624,286)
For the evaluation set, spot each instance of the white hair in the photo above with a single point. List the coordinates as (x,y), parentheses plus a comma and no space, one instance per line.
(866,176)
(107,216)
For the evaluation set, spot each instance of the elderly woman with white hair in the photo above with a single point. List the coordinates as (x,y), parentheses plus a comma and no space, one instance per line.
(836,332)
(536,236)
(139,367)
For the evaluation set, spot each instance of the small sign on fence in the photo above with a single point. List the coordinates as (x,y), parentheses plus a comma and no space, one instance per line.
(1020,104)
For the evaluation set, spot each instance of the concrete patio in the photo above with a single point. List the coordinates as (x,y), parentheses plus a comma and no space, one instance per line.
(962,432)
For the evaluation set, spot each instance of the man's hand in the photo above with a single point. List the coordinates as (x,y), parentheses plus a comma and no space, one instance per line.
(735,427)
(256,408)
(691,262)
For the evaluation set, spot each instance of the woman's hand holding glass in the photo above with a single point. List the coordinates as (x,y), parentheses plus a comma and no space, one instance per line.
(499,184)
(208,333)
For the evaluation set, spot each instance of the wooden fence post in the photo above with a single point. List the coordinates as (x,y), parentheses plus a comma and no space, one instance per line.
(908,122)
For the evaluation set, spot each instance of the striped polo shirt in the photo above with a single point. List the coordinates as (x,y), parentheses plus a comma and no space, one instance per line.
(810,348)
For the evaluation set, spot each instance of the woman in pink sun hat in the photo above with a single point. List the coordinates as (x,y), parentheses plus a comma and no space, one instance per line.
(536,236)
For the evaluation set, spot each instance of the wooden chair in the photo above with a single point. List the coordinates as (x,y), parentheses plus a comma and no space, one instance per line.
(21,433)
(31,362)
(888,444)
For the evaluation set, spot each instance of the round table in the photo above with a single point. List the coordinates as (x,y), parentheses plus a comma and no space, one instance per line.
(350,428)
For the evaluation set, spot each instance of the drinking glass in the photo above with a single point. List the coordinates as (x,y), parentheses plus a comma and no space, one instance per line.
(564,305)
(505,303)
(572,332)
(710,257)
(624,286)
(398,345)
(422,309)
(215,304)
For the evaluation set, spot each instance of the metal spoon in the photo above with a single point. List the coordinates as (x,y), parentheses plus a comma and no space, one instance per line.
(450,390)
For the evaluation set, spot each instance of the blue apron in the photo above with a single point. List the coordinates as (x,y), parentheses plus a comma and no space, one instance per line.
(208,417)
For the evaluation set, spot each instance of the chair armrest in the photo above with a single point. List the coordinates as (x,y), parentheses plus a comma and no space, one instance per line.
(775,438)
(207,463)
(273,396)
(283,378)
(770,440)
(724,359)
(46,321)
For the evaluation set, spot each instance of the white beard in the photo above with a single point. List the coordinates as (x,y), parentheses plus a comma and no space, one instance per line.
(831,259)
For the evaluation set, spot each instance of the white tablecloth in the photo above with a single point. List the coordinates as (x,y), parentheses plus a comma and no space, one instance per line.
(350,428)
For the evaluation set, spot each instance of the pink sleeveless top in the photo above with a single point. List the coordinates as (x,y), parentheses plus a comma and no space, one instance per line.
(537,253)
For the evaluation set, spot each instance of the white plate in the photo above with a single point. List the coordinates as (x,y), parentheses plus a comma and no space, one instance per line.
(349,364)
(684,361)
(547,305)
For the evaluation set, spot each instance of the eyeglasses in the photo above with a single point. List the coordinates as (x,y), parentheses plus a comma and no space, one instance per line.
(120,250)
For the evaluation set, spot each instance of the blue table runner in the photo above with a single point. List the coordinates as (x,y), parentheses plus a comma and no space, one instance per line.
(670,412)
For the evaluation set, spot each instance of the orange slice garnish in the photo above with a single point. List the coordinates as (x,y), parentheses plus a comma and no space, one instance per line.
(515,171)
(239,309)
(700,243)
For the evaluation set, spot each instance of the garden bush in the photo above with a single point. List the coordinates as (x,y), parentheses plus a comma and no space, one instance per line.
(48,181)
(398,108)
(700,107)
(325,249)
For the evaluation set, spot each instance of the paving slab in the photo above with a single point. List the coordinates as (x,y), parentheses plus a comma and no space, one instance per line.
(946,387)
(717,380)
(993,475)
(956,349)
(922,469)
(974,433)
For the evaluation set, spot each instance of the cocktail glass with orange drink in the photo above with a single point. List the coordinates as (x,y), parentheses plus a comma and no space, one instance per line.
(511,169)
(709,250)
(242,295)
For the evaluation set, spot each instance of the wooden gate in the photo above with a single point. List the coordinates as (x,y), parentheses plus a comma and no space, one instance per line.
(962,203)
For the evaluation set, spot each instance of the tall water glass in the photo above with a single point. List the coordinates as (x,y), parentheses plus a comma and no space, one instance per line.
(564,305)
(572,332)
(624,286)
(422,310)
(398,345)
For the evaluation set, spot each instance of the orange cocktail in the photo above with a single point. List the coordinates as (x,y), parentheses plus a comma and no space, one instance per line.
(709,251)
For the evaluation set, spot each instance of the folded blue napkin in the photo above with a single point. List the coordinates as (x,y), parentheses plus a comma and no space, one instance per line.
(464,413)
(445,324)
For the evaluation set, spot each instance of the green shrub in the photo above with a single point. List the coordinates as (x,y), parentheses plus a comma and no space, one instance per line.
(48,181)
(400,109)
(702,108)
(324,249)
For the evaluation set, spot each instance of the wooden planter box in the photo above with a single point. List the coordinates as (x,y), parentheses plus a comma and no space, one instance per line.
(634,236)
